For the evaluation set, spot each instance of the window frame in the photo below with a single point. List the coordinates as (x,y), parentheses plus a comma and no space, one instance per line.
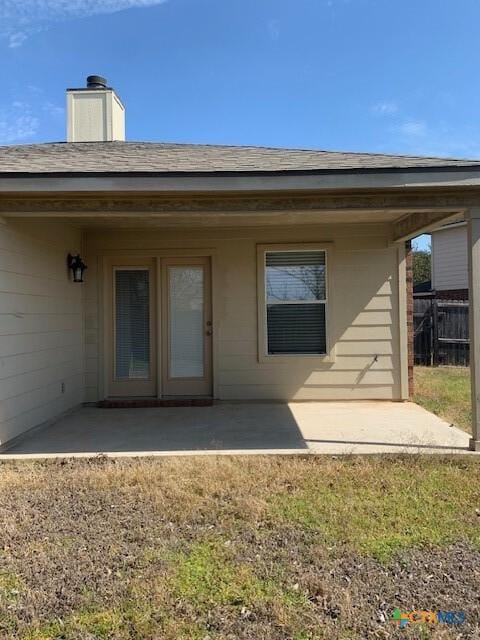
(262,250)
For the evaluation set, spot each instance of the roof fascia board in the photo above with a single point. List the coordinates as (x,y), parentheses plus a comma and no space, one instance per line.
(284,181)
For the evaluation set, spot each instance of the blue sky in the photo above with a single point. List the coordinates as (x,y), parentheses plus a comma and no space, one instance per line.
(392,76)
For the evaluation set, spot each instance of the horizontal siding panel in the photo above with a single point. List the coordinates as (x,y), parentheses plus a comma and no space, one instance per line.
(41,325)
(237,347)
(238,332)
(38,397)
(238,310)
(229,238)
(10,345)
(39,414)
(243,315)
(36,380)
(373,318)
(350,363)
(25,240)
(364,259)
(367,333)
(361,287)
(366,348)
(308,379)
(18,303)
(49,266)
(11,324)
(279,392)
(379,303)
(34,361)
(37,285)
(358,244)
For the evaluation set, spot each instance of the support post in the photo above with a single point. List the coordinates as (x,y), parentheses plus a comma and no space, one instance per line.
(410,321)
(473,225)
(403,321)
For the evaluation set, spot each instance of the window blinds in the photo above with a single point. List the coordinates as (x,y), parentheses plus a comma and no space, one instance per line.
(296,301)
(132,324)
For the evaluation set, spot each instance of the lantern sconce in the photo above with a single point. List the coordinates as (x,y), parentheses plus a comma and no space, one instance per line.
(77,266)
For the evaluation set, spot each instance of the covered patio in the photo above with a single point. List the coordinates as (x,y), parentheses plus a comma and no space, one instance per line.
(244,428)
(230,223)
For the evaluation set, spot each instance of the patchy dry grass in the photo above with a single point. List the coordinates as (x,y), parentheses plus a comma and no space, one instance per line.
(219,548)
(379,513)
(445,391)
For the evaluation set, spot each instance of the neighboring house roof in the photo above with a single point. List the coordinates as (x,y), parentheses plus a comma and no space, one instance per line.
(152,157)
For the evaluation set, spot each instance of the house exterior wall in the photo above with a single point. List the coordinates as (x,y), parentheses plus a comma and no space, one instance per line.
(364,330)
(449,259)
(41,325)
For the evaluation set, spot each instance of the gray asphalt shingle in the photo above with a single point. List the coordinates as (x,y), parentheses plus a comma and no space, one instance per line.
(124,157)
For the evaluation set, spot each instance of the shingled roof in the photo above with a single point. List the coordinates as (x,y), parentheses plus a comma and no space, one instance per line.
(152,157)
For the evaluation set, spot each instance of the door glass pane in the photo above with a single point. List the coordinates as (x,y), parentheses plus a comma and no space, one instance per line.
(132,324)
(186,331)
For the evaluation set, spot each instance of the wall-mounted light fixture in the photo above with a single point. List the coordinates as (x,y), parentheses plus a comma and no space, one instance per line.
(77,266)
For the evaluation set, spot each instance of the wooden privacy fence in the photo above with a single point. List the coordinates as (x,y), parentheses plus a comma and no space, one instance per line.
(441,332)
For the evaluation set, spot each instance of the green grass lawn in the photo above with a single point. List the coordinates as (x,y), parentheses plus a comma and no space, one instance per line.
(445,391)
(278,548)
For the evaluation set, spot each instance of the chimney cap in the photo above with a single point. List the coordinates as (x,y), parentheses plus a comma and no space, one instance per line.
(96,82)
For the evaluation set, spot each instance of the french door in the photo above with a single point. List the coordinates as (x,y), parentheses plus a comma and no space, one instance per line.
(159,327)
(186,327)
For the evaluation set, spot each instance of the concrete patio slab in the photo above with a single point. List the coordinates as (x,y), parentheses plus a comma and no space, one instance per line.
(246,428)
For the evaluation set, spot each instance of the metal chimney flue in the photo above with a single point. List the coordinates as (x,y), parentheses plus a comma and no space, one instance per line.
(96,82)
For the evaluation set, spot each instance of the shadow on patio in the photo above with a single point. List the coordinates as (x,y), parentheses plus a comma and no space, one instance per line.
(220,427)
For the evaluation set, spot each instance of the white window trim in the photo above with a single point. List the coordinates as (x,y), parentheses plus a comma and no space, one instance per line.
(263,355)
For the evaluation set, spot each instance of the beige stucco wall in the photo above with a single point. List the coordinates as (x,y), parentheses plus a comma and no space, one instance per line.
(363,272)
(41,325)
